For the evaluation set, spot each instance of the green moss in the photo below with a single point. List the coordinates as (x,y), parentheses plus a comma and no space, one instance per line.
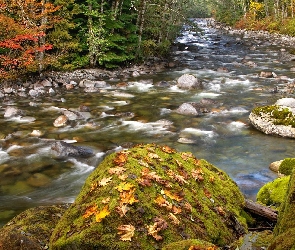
(274,193)
(287,166)
(280,115)
(284,232)
(208,208)
(186,244)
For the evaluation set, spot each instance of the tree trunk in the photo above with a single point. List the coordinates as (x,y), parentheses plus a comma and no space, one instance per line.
(140,24)
(261,210)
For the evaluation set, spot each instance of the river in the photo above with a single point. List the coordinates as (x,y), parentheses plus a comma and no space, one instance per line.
(143,112)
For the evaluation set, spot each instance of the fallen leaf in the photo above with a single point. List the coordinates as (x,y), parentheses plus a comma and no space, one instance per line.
(117,170)
(144,182)
(180,179)
(122,210)
(176,210)
(174,219)
(123,177)
(186,156)
(188,207)
(162,202)
(154,156)
(171,195)
(127,197)
(90,211)
(102,214)
(105,181)
(121,158)
(179,163)
(168,150)
(126,232)
(198,174)
(158,226)
(124,186)
(207,193)
(220,211)
(211,179)
(93,186)
(106,200)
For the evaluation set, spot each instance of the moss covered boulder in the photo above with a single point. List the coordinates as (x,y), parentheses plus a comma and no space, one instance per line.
(150,196)
(274,193)
(277,119)
(287,166)
(31,229)
(284,233)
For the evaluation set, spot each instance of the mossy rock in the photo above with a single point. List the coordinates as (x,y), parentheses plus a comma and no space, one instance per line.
(284,232)
(150,196)
(274,120)
(31,229)
(190,244)
(274,193)
(287,166)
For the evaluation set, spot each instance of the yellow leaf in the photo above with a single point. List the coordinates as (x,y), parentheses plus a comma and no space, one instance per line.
(168,150)
(171,195)
(126,232)
(105,181)
(163,203)
(121,158)
(174,219)
(102,214)
(123,177)
(124,186)
(127,197)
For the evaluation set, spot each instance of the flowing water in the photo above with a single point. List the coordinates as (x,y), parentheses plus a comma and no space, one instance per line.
(143,112)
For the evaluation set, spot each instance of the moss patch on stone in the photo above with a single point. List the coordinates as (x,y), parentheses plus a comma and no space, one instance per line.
(31,229)
(284,232)
(280,115)
(190,244)
(274,193)
(148,197)
(287,166)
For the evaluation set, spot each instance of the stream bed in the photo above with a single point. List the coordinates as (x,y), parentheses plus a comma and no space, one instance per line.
(142,110)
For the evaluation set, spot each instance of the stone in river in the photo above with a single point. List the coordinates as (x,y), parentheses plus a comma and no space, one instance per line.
(186,109)
(61,121)
(187,81)
(63,149)
(38,180)
(12,112)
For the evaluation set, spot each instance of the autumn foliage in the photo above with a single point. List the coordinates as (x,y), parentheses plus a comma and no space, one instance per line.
(23,36)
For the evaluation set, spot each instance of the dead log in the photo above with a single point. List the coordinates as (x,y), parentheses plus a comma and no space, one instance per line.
(261,210)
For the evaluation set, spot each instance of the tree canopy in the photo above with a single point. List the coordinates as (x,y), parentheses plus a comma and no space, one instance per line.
(36,35)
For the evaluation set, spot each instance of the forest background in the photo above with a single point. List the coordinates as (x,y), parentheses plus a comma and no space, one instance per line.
(63,35)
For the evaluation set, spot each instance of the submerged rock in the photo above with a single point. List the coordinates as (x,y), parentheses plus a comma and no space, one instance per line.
(12,112)
(63,149)
(150,196)
(186,109)
(61,121)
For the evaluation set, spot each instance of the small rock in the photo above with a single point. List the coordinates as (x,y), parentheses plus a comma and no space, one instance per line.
(33,93)
(60,121)
(266,74)
(274,166)
(135,74)
(69,86)
(83,108)
(51,91)
(187,109)
(11,112)
(46,83)
(187,81)
(36,133)
(63,149)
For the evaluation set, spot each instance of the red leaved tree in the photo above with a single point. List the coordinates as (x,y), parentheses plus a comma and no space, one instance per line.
(23,36)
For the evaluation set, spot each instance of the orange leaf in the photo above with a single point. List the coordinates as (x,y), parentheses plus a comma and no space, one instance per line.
(102,214)
(168,150)
(207,193)
(171,195)
(162,202)
(90,211)
(176,210)
(126,232)
(117,170)
(144,182)
(93,186)
(198,174)
(220,211)
(105,181)
(185,156)
(188,207)
(124,186)
(211,179)
(121,158)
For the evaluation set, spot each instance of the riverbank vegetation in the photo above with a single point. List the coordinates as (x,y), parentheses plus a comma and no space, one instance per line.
(64,35)
(38,35)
